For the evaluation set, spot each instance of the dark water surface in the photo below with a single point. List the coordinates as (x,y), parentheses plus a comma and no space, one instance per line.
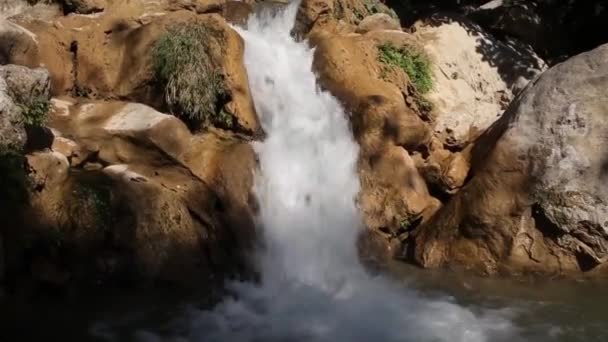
(541,309)
(564,310)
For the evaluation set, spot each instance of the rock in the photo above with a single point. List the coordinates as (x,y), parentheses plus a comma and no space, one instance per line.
(70,49)
(76,154)
(394,197)
(475,76)
(117,131)
(149,202)
(444,170)
(378,21)
(48,168)
(83,6)
(12,131)
(554,29)
(335,16)
(26,83)
(536,201)
(18,86)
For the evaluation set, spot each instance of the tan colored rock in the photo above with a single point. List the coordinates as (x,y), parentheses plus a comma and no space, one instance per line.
(120,67)
(117,131)
(445,170)
(334,16)
(536,201)
(378,21)
(394,197)
(475,76)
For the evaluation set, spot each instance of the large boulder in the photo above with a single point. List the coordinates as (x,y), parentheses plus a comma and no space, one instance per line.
(537,199)
(122,67)
(475,76)
(394,197)
(127,193)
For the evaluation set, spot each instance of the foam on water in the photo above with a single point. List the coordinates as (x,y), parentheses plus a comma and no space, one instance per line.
(313,287)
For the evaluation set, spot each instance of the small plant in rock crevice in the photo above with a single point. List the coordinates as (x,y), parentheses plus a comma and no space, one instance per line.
(34,110)
(183,62)
(415,63)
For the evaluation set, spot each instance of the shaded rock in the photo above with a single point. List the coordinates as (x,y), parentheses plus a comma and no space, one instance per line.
(555,29)
(475,76)
(12,130)
(335,16)
(378,21)
(83,6)
(148,203)
(444,170)
(536,200)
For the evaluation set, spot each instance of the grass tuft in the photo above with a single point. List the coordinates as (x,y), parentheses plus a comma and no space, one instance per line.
(183,62)
(415,63)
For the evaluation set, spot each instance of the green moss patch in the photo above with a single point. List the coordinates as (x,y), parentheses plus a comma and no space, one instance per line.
(414,62)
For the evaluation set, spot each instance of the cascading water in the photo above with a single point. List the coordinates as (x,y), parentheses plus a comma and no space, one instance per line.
(313,287)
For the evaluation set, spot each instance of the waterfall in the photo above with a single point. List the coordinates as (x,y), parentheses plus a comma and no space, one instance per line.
(313,287)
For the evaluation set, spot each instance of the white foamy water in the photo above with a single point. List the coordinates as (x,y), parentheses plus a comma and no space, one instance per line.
(313,287)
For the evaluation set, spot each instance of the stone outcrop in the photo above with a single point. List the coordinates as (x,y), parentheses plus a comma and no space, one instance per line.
(19,86)
(475,76)
(108,56)
(536,201)
(132,196)
(394,197)
(337,16)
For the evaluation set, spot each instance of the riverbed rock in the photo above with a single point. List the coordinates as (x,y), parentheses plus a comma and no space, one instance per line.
(127,194)
(121,67)
(394,197)
(118,131)
(378,21)
(475,76)
(19,86)
(536,201)
(336,16)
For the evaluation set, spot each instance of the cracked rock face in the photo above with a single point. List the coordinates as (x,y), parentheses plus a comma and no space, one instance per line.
(538,199)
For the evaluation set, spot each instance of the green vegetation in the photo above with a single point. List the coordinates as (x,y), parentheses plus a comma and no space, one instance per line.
(405,225)
(34,110)
(414,62)
(183,63)
(375,6)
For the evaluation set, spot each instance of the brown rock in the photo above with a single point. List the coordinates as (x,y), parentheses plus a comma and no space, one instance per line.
(108,56)
(536,200)
(394,197)
(378,21)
